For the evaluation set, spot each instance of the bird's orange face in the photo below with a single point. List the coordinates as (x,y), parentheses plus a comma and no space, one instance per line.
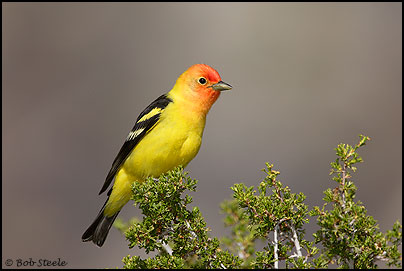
(203,85)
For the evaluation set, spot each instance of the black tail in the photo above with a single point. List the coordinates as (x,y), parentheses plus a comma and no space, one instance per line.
(98,230)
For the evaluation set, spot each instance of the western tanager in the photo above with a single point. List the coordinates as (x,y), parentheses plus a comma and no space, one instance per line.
(168,133)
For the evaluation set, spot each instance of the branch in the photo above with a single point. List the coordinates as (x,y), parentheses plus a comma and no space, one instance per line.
(276,245)
(276,242)
(167,248)
(296,241)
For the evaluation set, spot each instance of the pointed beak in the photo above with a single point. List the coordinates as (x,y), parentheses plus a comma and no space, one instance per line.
(220,86)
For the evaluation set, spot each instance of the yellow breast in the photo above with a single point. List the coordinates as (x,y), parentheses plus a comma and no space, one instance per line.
(174,141)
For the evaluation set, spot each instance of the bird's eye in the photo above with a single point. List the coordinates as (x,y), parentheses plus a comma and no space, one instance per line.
(202,81)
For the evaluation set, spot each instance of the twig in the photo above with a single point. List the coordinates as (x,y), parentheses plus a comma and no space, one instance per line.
(189,228)
(241,253)
(382,257)
(343,186)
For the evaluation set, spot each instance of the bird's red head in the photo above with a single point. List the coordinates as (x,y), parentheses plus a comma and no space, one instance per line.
(201,85)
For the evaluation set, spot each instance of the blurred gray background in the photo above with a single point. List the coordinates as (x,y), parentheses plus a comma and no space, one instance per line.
(305,78)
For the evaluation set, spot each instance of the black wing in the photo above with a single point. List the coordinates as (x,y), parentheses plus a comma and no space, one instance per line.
(144,123)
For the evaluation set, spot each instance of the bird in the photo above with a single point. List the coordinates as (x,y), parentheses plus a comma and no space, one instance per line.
(167,133)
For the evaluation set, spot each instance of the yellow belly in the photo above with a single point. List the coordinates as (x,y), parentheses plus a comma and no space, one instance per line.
(156,154)
(169,144)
